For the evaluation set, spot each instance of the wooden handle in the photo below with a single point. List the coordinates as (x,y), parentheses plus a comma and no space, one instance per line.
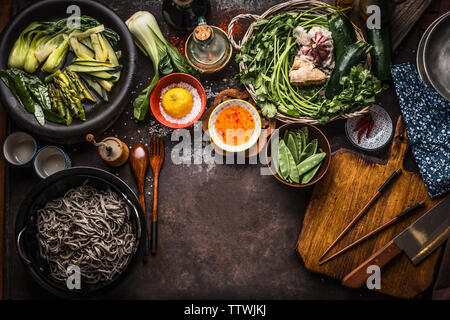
(154,227)
(90,137)
(358,276)
(399,145)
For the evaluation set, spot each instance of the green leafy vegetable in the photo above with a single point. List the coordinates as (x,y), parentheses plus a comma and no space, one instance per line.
(269,54)
(165,57)
(18,81)
(359,89)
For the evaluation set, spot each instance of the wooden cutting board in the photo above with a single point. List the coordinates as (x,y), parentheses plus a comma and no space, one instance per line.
(336,199)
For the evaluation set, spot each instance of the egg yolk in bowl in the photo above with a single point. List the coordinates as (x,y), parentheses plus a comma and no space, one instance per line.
(177,102)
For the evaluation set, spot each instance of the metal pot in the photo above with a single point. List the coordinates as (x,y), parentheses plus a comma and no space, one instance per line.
(54,187)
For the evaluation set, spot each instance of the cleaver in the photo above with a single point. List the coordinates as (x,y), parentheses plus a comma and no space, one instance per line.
(417,242)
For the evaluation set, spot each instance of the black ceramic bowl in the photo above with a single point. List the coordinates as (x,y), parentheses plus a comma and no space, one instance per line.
(100,115)
(52,188)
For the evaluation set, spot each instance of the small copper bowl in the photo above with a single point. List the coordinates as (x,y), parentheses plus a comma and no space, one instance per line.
(322,142)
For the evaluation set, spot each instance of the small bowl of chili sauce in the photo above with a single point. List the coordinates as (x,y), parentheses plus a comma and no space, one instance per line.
(372,131)
(234,125)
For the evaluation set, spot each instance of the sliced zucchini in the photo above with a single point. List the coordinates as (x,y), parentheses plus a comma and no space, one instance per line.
(102,75)
(87,43)
(88,33)
(80,50)
(107,85)
(112,57)
(94,85)
(101,53)
(99,68)
(93,63)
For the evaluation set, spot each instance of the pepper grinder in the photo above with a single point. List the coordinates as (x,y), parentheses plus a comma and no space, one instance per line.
(112,150)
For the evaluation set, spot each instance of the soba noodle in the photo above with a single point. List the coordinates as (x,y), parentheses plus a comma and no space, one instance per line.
(88,228)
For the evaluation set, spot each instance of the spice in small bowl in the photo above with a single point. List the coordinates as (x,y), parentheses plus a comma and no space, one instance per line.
(372,131)
(178,100)
(234,125)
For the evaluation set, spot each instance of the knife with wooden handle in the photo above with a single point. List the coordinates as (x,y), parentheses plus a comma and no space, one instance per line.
(417,242)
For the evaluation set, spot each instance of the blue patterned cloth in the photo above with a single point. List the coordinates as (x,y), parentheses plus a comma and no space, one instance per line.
(427,120)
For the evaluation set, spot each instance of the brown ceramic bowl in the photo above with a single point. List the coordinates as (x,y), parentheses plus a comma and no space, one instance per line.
(314,133)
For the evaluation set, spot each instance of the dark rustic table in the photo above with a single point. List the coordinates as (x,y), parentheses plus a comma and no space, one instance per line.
(225,231)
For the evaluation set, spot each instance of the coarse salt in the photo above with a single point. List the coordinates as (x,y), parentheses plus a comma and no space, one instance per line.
(196,104)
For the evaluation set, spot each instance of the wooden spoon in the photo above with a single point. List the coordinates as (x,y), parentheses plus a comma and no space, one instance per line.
(139,161)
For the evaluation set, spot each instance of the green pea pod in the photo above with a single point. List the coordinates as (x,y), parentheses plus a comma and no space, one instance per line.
(283,159)
(285,136)
(305,133)
(308,176)
(314,142)
(310,163)
(307,152)
(300,144)
(292,146)
(293,171)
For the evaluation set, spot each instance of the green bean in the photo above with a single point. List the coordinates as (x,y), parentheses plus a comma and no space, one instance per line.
(310,163)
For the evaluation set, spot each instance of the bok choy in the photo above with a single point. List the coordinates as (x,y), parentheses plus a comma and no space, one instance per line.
(165,57)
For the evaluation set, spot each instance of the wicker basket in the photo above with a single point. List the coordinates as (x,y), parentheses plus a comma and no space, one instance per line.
(289,6)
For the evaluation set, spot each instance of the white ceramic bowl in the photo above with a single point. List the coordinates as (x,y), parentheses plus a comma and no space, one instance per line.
(49,160)
(19,148)
(216,138)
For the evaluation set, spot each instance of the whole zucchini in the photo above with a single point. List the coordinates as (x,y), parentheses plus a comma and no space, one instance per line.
(381,51)
(354,54)
(342,33)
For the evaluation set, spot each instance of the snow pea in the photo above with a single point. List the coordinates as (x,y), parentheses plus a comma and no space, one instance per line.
(307,152)
(310,163)
(283,159)
(305,132)
(293,171)
(314,143)
(293,146)
(307,177)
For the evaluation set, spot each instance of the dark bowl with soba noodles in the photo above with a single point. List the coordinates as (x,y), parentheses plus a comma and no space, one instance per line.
(80,232)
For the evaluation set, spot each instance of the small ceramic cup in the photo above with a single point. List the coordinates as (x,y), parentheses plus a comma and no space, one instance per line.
(49,160)
(19,148)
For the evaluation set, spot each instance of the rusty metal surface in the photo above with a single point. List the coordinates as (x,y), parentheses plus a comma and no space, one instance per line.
(225,231)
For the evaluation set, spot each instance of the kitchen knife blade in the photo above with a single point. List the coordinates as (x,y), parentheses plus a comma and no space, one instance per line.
(417,241)
(427,233)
